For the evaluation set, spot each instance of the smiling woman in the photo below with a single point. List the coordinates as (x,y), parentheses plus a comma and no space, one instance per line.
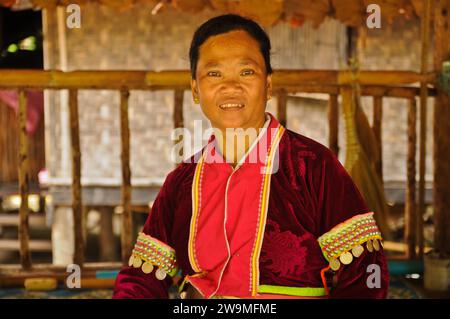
(279,219)
(231,81)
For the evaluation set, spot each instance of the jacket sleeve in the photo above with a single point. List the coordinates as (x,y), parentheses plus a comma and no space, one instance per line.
(351,241)
(152,263)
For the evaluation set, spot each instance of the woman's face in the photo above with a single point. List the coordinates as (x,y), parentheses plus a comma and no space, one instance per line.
(231,81)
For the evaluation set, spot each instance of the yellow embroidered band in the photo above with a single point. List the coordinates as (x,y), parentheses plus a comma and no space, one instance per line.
(347,240)
(149,253)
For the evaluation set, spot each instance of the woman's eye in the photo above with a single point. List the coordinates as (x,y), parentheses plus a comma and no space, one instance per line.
(213,73)
(248,72)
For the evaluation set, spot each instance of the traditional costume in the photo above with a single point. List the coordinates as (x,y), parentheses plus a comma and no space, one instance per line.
(286,222)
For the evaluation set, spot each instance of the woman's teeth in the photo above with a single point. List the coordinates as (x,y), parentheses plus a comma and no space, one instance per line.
(231,105)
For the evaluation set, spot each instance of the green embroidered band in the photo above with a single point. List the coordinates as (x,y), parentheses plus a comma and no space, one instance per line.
(347,240)
(149,253)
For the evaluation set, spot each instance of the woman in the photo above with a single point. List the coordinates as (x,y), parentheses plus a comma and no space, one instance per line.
(276,218)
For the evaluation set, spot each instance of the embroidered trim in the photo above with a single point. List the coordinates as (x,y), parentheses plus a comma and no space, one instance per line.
(293,291)
(196,197)
(263,211)
(149,253)
(346,240)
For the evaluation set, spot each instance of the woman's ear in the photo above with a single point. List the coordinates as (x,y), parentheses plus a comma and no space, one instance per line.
(194,90)
(269,86)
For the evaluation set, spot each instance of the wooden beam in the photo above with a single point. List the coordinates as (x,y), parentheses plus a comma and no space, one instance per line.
(410,200)
(34,245)
(282,107)
(384,91)
(127,222)
(7,269)
(441,136)
(14,275)
(7,219)
(54,79)
(333,124)
(425,39)
(76,178)
(376,127)
(24,180)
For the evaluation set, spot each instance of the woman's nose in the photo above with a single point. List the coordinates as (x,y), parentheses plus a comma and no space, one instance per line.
(231,85)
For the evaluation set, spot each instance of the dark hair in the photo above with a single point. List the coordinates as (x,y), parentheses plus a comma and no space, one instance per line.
(223,24)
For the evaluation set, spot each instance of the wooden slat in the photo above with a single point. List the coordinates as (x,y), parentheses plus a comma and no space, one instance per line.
(41,268)
(34,245)
(14,275)
(24,179)
(76,178)
(117,79)
(376,127)
(127,223)
(333,124)
(106,236)
(7,219)
(387,91)
(282,107)
(410,201)
(425,39)
(178,109)
(178,121)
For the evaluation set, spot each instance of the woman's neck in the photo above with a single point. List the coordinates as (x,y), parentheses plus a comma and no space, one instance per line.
(234,143)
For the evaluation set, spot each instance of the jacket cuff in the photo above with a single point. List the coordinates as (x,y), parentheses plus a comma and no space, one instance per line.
(151,254)
(349,239)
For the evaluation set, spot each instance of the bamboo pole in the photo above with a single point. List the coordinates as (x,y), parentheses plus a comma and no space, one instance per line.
(384,91)
(282,107)
(376,127)
(76,178)
(178,121)
(54,79)
(425,38)
(24,180)
(410,200)
(333,123)
(127,222)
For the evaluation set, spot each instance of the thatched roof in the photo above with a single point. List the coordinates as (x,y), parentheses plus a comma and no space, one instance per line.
(267,12)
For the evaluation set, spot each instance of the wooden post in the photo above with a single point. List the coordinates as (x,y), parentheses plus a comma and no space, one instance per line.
(106,238)
(282,107)
(178,120)
(376,127)
(441,136)
(24,180)
(333,124)
(76,178)
(425,38)
(410,200)
(127,222)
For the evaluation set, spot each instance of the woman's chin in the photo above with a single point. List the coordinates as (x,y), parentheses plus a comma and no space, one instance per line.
(231,120)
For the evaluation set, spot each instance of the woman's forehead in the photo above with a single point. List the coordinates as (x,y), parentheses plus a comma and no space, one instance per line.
(237,46)
(240,60)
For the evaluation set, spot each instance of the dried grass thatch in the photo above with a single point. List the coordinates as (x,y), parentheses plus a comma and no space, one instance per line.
(266,12)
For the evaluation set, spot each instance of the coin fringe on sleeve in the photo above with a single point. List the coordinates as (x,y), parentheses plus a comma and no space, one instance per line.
(150,253)
(347,241)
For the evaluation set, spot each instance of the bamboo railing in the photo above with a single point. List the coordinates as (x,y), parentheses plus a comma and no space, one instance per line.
(377,84)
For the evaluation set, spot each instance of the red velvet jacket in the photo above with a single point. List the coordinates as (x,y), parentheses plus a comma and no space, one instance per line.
(310,194)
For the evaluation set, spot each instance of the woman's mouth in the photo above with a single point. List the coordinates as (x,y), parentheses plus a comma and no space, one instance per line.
(226,106)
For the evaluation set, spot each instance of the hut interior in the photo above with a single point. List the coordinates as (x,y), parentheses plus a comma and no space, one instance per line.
(85,140)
